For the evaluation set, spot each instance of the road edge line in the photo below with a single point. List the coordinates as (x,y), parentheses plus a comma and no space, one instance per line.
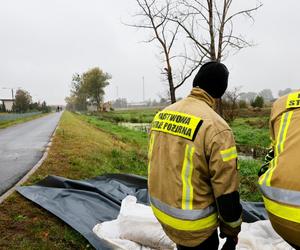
(32,170)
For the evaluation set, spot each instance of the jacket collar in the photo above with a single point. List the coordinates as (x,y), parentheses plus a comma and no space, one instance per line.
(202,95)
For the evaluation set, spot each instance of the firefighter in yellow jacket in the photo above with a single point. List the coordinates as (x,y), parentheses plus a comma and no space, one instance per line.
(193,178)
(280,184)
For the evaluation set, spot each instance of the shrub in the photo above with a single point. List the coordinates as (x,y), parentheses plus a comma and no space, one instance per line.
(258,102)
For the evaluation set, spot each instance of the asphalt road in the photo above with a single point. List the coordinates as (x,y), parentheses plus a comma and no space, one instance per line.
(22,146)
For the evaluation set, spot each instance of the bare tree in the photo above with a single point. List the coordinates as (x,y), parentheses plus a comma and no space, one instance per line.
(230,102)
(156,16)
(209,24)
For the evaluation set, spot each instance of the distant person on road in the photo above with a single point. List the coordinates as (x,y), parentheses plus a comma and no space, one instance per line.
(193,178)
(280,182)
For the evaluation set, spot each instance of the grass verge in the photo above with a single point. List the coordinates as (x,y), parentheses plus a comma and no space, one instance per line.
(5,124)
(248,185)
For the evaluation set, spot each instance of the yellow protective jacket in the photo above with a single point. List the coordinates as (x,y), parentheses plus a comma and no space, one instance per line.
(280,185)
(192,162)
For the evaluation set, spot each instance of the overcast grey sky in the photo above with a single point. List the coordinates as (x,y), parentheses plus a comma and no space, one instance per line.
(44,42)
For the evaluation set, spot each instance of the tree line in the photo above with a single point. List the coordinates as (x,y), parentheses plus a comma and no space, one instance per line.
(23,103)
(87,89)
(234,100)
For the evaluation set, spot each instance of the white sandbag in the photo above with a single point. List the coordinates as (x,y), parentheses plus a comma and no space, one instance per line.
(138,223)
(260,236)
(109,232)
(136,228)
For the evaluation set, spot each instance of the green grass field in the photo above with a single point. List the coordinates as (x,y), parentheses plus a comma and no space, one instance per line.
(134,116)
(252,131)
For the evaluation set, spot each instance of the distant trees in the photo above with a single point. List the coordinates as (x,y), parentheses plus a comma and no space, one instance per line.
(248,96)
(284,91)
(93,82)
(87,88)
(45,108)
(258,102)
(22,101)
(2,107)
(267,95)
(231,104)
(78,98)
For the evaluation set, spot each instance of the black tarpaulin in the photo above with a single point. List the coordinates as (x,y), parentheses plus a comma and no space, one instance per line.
(83,204)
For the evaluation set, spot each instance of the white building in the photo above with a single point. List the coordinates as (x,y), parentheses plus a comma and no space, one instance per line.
(8,103)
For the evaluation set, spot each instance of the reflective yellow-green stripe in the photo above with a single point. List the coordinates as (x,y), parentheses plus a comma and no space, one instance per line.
(264,176)
(229,154)
(283,211)
(290,114)
(186,176)
(151,143)
(281,137)
(186,225)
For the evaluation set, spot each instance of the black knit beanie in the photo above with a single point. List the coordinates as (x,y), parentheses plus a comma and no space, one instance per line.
(213,78)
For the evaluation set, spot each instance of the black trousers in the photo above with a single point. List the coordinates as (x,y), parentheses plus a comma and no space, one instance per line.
(212,243)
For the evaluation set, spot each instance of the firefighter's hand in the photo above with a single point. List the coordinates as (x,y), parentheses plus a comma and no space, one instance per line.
(230,243)
(228,232)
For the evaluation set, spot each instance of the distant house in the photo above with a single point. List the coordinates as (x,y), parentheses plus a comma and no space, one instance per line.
(92,108)
(7,103)
(104,107)
(137,104)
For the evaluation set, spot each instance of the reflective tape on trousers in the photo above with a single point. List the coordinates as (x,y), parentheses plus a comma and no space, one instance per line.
(180,213)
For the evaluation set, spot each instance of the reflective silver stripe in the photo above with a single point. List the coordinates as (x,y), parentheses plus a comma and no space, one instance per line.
(187,170)
(180,213)
(233,224)
(289,197)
